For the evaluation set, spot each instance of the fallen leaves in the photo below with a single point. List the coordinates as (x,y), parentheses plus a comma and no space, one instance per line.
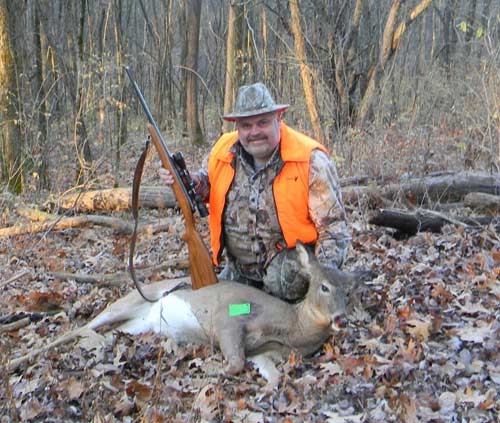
(477,332)
(419,327)
(32,409)
(425,347)
(41,301)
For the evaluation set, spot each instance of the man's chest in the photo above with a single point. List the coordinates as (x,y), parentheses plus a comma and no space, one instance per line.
(250,200)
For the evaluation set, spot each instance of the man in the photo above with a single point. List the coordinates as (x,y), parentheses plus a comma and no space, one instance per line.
(267,186)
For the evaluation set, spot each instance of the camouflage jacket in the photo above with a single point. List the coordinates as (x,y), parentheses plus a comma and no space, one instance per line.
(250,225)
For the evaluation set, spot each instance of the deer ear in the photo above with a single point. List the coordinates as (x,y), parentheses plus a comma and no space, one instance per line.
(303,255)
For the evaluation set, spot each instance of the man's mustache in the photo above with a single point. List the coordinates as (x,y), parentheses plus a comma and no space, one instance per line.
(256,138)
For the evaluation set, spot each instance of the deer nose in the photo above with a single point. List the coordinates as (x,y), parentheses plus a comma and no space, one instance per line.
(339,321)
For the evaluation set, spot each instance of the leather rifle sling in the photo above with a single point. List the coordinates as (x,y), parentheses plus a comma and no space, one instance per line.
(135,213)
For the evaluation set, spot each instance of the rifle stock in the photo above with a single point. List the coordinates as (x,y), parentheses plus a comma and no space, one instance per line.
(200,262)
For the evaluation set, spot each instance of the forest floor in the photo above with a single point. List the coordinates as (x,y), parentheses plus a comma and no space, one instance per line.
(424,347)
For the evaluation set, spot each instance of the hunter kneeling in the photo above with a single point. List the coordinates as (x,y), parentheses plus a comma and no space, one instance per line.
(268,185)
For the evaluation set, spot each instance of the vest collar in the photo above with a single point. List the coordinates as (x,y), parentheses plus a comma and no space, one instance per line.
(288,145)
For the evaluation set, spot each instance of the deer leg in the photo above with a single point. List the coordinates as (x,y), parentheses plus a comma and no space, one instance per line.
(121,310)
(264,362)
(230,337)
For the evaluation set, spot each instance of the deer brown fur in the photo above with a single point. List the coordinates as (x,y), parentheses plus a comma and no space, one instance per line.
(202,315)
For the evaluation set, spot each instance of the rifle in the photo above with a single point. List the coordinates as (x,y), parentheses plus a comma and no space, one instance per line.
(200,262)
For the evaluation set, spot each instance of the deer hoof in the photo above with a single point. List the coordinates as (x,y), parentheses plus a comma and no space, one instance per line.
(235,365)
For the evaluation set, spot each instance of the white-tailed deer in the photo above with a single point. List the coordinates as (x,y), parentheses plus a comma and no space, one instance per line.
(240,319)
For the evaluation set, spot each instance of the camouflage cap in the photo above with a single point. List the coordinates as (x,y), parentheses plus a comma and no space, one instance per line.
(253,100)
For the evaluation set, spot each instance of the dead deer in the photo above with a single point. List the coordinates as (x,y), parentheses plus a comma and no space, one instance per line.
(202,316)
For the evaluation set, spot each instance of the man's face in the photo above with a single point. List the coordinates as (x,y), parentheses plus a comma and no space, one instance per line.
(259,135)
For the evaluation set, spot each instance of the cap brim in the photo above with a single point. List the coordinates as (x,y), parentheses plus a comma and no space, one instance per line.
(231,117)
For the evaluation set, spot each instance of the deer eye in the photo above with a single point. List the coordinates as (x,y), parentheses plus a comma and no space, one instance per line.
(325,288)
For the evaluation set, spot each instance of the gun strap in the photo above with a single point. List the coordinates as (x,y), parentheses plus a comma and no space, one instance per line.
(135,213)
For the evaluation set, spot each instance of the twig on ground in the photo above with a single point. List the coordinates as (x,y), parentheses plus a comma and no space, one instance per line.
(9,327)
(117,279)
(14,278)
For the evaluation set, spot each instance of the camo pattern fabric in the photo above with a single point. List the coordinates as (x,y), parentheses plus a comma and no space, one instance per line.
(252,231)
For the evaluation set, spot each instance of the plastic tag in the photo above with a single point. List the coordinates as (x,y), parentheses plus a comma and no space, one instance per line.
(239,309)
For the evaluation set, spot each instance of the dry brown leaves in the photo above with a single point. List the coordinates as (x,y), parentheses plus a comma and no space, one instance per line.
(425,346)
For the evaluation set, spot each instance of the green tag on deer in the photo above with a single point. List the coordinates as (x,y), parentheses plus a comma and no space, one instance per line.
(239,309)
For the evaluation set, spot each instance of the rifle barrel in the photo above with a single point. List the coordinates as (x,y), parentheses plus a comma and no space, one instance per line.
(160,136)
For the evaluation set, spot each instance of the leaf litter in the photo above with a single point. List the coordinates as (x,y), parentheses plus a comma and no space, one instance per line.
(422,343)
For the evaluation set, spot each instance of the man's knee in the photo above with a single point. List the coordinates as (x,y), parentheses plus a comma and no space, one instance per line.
(284,279)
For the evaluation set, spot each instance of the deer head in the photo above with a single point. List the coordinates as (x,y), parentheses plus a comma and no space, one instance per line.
(328,289)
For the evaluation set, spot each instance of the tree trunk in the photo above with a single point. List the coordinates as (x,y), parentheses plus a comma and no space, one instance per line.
(234,49)
(43,165)
(390,42)
(343,57)
(83,151)
(101,46)
(167,70)
(264,51)
(11,170)
(305,71)
(67,54)
(469,34)
(450,38)
(366,101)
(121,116)
(193,14)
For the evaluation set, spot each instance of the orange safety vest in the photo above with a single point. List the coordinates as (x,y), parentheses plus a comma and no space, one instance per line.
(290,187)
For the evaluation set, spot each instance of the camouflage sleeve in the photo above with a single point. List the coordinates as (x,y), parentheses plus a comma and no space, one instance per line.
(327,210)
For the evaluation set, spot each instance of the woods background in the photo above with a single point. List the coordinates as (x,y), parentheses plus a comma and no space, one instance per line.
(389,86)
(406,96)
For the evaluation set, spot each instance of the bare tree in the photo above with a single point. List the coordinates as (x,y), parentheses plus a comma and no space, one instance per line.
(69,57)
(344,55)
(390,41)
(471,17)
(305,71)
(193,14)
(234,49)
(11,170)
(121,116)
(449,35)
(40,104)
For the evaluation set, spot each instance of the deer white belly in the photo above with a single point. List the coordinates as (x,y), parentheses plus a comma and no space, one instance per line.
(171,316)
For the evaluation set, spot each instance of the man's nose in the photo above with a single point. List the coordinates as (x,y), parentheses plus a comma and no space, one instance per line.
(254,130)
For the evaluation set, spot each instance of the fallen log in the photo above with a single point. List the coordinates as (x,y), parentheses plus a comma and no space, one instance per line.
(115,199)
(486,203)
(430,189)
(422,220)
(436,188)
(50,222)
(68,222)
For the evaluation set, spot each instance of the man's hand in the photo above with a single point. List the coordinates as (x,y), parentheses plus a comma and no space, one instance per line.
(165,176)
